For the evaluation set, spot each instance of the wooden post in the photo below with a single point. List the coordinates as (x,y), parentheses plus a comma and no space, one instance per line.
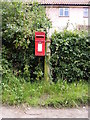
(46,62)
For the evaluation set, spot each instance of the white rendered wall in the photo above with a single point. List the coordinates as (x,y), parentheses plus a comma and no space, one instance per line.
(59,23)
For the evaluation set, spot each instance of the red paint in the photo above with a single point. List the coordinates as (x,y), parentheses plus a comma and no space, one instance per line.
(40,43)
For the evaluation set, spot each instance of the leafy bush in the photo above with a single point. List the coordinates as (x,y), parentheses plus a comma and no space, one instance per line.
(19,23)
(70,55)
(5,66)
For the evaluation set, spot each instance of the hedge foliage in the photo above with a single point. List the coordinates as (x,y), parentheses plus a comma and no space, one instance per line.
(19,23)
(70,50)
(70,55)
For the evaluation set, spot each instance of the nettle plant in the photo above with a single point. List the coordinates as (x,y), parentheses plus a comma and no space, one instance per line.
(19,23)
(70,55)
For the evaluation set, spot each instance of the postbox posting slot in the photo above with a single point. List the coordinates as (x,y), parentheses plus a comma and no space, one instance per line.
(39,36)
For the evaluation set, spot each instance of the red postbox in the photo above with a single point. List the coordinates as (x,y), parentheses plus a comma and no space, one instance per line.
(40,43)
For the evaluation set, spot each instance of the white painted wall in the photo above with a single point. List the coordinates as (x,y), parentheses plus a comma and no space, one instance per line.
(59,23)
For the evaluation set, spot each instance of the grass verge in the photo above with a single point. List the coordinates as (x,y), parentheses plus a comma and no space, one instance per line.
(62,94)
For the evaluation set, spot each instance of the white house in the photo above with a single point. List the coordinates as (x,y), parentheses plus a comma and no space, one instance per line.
(68,14)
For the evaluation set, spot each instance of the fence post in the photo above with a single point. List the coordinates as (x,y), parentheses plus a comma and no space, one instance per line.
(46,61)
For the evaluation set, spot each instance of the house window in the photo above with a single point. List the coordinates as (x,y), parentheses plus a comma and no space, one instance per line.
(85,12)
(64,12)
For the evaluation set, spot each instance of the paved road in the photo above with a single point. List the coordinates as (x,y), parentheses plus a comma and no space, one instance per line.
(31,112)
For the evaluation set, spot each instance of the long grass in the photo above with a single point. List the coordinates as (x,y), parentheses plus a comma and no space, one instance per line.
(62,94)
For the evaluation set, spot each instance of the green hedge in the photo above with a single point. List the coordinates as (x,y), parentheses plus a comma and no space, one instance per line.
(19,23)
(70,50)
(70,55)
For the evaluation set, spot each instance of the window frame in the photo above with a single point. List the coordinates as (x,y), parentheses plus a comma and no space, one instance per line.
(64,10)
(85,16)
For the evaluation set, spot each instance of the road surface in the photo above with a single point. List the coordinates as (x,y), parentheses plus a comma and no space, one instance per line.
(36,112)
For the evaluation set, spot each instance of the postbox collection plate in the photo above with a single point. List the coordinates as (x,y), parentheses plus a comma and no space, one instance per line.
(39,47)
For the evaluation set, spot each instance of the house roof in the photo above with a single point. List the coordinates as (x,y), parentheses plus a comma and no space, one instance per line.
(63,1)
(56,2)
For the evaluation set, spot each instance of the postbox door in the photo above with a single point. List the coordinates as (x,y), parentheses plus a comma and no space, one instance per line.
(39,48)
